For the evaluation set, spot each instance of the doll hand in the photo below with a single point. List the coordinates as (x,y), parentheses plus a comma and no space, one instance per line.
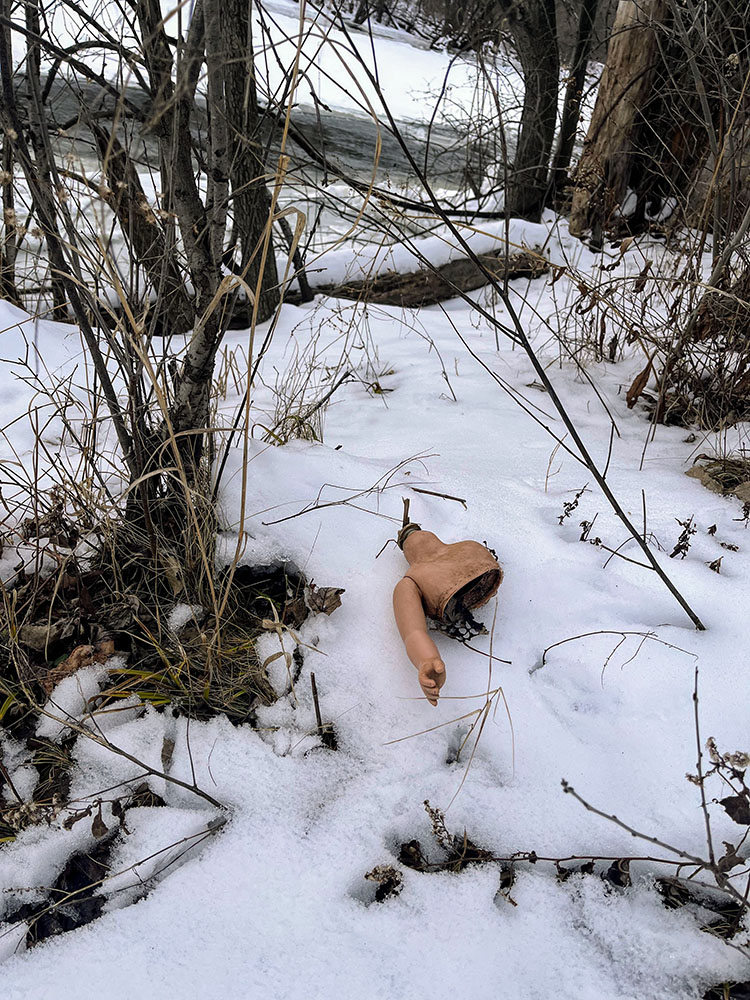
(432,678)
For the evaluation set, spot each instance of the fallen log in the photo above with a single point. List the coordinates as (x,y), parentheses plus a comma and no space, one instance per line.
(425,287)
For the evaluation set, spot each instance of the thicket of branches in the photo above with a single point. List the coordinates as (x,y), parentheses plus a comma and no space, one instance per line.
(191,159)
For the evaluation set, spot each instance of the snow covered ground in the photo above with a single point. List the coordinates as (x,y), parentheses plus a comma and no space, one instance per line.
(275,904)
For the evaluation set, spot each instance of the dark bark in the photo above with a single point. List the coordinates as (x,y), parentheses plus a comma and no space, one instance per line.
(535,36)
(172,306)
(306,293)
(250,196)
(609,153)
(572,103)
(170,119)
(217,172)
(9,239)
(427,287)
(672,102)
(43,160)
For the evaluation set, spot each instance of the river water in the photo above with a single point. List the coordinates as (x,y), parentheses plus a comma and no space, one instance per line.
(328,205)
(348,140)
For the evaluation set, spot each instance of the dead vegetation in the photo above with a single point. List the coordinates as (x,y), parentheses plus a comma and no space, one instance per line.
(728,476)
(197,660)
(84,596)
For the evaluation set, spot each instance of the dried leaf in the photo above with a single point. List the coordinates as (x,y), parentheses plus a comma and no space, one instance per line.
(737,808)
(76,817)
(323,600)
(730,859)
(705,477)
(618,874)
(99,828)
(742,492)
(411,854)
(103,650)
(173,572)
(120,617)
(295,612)
(639,384)
(82,656)
(507,878)
(390,881)
(167,750)
(38,637)
(640,282)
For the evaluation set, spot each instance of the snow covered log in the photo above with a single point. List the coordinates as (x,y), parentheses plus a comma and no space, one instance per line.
(428,286)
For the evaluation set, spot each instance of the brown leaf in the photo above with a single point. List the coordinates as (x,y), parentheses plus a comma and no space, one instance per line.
(103,650)
(640,282)
(172,571)
(730,859)
(507,879)
(742,492)
(37,637)
(120,617)
(737,808)
(167,751)
(389,879)
(618,873)
(99,828)
(639,384)
(82,656)
(411,855)
(324,600)
(705,477)
(295,612)
(76,817)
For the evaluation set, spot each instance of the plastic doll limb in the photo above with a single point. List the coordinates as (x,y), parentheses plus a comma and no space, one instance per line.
(432,678)
(420,648)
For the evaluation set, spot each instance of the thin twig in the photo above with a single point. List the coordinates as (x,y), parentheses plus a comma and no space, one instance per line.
(701,781)
(316,703)
(443,496)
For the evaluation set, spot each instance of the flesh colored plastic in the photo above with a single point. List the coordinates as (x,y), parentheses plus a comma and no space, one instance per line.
(436,573)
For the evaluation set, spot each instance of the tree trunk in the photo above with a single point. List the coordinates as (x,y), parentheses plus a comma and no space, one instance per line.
(572,104)
(9,237)
(40,145)
(604,170)
(172,306)
(535,36)
(251,200)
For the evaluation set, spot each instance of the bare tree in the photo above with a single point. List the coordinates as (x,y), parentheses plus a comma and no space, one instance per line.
(632,60)
(533,25)
(572,101)
(672,102)
(213,213)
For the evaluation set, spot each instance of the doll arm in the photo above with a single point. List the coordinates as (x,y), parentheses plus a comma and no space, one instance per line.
(420,648)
